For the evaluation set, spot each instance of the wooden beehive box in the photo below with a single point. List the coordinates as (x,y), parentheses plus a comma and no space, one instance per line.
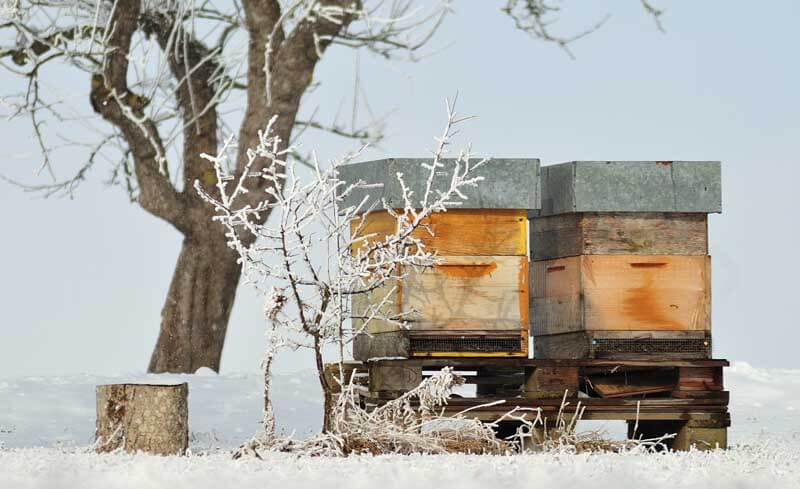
(620,265)
(475,300)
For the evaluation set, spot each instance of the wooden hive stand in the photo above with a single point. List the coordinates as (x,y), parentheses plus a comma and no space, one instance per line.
(685,398)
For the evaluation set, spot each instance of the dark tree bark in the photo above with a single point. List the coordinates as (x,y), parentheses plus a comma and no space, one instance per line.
(195,315)
(194,319)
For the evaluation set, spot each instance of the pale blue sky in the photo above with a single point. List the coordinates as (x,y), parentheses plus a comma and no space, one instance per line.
(83,281)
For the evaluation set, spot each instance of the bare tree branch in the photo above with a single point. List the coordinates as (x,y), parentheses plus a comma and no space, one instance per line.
(115,102)
(535,18)
(655,13)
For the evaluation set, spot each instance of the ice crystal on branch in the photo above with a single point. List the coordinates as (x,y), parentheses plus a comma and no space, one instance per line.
(306,260)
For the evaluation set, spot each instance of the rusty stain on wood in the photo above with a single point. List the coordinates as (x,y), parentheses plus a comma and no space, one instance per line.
(643,304)
(468,270)
(625,293)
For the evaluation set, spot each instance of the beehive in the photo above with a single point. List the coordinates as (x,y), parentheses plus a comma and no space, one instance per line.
(620,265)
(475,301)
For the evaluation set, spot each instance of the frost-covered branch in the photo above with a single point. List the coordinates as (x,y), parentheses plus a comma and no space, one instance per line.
(308,250)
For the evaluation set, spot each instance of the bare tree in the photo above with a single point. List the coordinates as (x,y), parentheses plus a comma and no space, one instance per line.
(308,262)
(165,76)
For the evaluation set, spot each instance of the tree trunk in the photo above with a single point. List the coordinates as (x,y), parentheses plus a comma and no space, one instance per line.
(195,316)
(149,418)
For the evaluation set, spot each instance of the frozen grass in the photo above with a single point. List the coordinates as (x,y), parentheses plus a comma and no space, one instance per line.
(774,464)
(58,413)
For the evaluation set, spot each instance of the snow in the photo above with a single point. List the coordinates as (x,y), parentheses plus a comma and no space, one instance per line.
(224,410)
(46,424)
(775,466)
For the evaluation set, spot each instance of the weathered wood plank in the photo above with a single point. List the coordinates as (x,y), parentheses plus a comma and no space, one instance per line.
(355,371)
(610,233)
(556,303)
(633,383)
(645,233)
(394,378)
(381,302)
(646,292)
(556,236)
(457,232)
(469,293)
(462,293)
(395,344)
(473,362)
(619,292)
(550,382)
(700,379)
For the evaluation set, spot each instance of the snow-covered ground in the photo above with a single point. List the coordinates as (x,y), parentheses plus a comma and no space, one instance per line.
(47,423)
(773,466)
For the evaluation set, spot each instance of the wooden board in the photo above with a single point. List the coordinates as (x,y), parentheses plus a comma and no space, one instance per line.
(700,379)
(626,384)
(393,344)
(646,292)
(556,302)
(479,293)
(457,232)
(472,295)
(609,233)
(473,363)
(551,382)
(469,293)
(384,302)
(622,293)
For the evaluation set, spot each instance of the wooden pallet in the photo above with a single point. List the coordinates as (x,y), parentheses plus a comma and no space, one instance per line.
(685,397)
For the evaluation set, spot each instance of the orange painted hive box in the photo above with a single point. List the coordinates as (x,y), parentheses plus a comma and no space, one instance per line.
(474,301)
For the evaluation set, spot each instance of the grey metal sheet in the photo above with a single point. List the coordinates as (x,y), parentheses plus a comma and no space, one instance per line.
(631,186)
(508,183)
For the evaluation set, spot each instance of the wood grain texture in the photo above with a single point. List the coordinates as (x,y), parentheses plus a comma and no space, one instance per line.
(148,418)
(551,382)
(394,344)
(481,293)
(394,378)
(469,293)
(624,384)
(467,232)
(700,379)
(556,302)
(645,233)
(383,301)
(646,292)
(621,292)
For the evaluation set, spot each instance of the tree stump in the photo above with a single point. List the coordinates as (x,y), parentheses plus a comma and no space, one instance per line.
(147,418)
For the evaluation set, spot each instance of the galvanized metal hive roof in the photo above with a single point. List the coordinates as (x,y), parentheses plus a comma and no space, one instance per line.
(631,186)
(509,183)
